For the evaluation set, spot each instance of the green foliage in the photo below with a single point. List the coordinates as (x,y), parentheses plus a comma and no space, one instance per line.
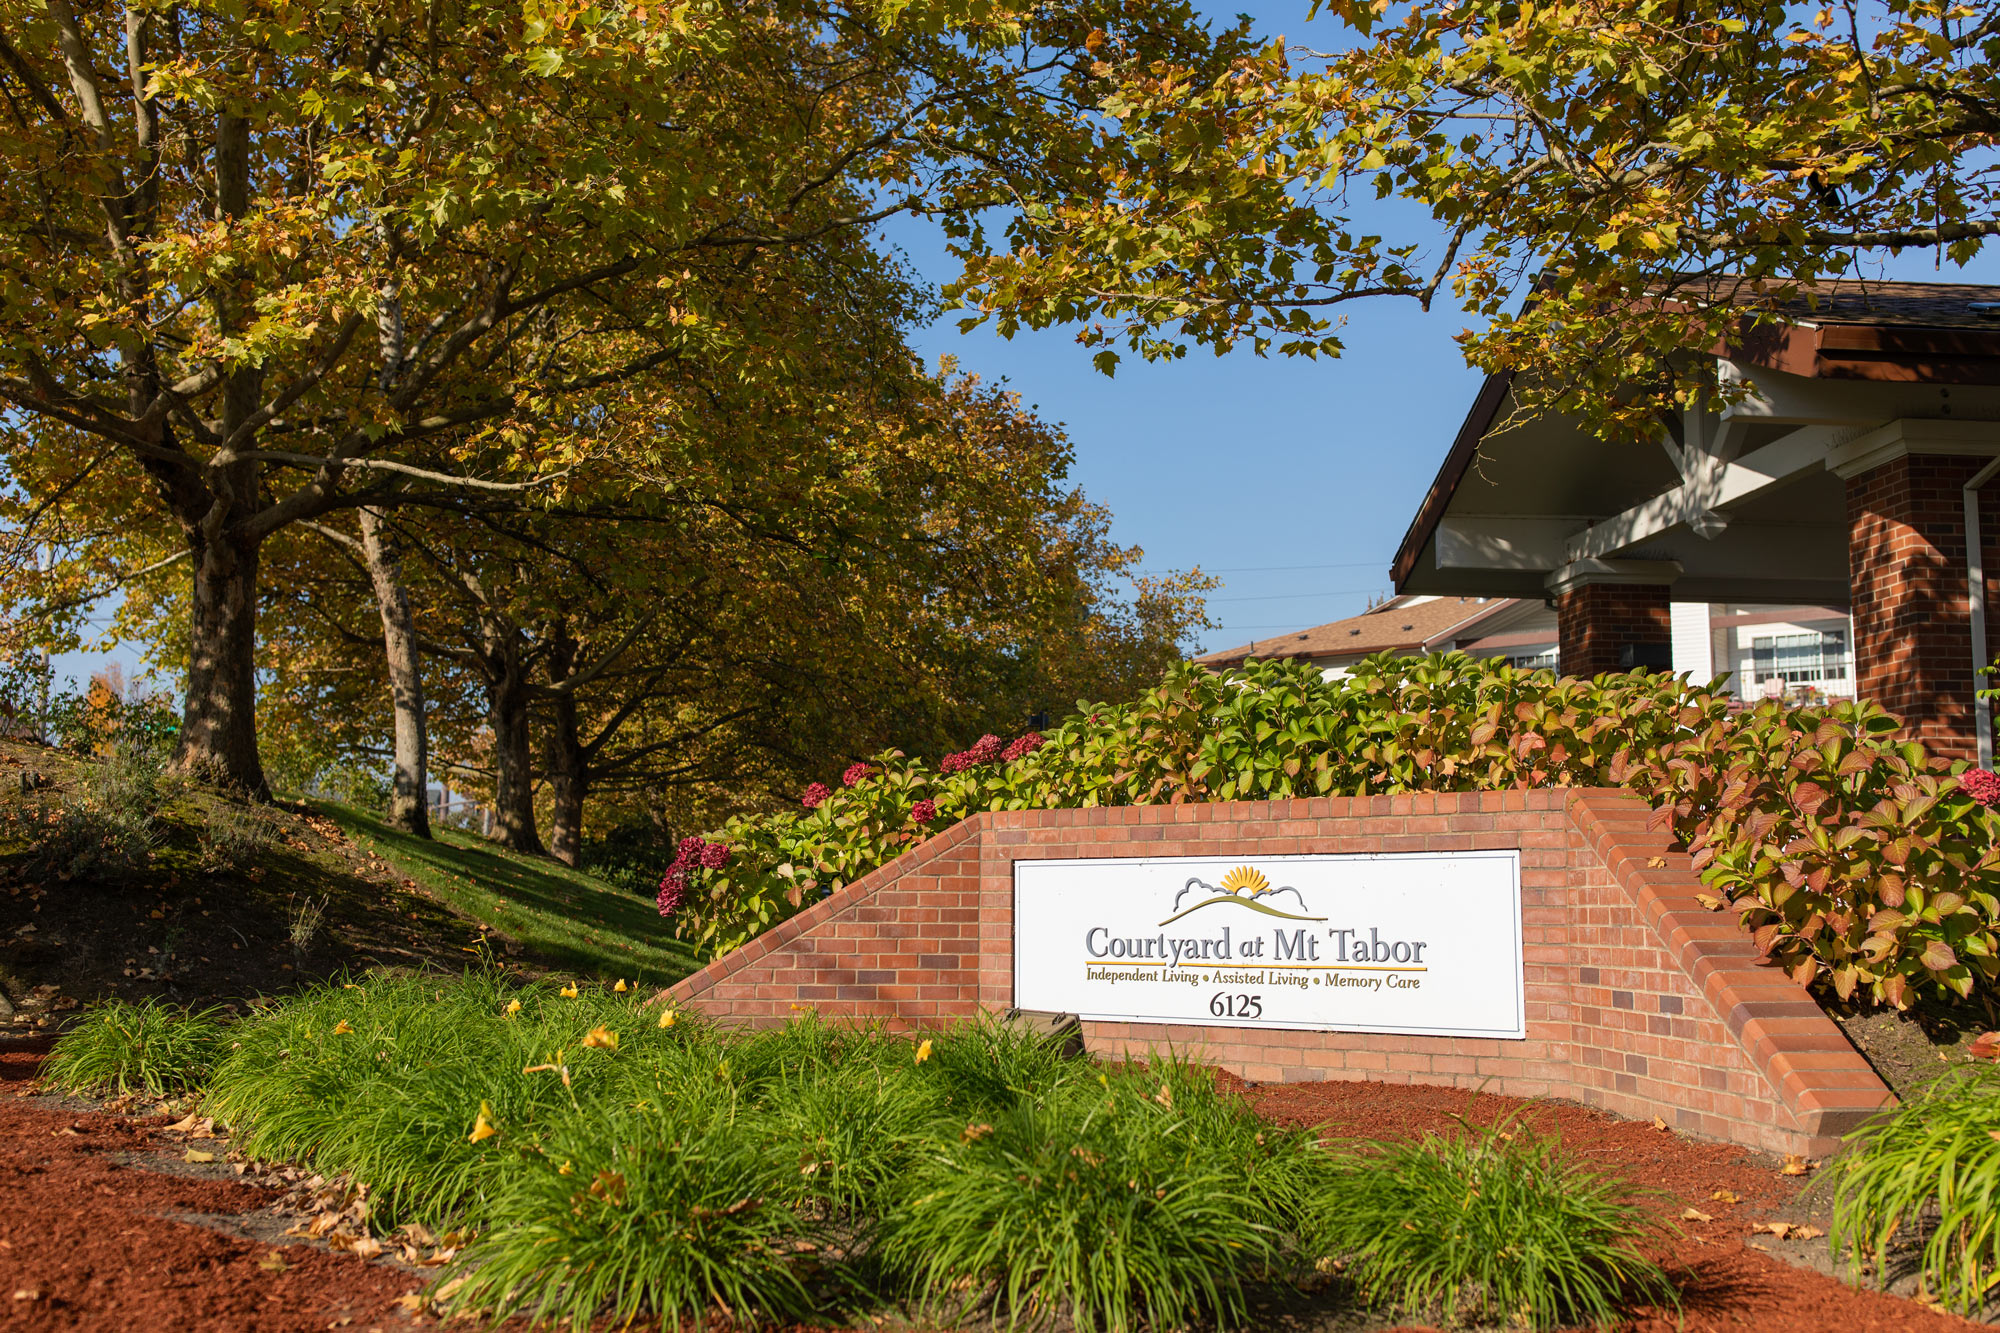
(1494,1226)
(674,1211)
(604,1163)
(569,917)
(1855,859)
(1929,1170)
(147,1047)
(1103,1198)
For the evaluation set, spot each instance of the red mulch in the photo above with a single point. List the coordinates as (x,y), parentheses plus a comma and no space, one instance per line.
(86,1243)
(89,1243)
(1725,1284)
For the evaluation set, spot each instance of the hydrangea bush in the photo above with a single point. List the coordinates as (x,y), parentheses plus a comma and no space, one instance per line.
(1855,859)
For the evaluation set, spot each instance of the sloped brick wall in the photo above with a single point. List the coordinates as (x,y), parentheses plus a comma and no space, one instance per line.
(1639,1000)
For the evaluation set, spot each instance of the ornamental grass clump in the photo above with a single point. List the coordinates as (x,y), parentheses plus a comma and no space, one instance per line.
(1492,1226)
(147,1047)
(384,1081)
(1927,1174)
(673,1211)
(1108,1201)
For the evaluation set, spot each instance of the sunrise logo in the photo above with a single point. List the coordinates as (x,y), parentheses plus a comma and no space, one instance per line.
(1245,886)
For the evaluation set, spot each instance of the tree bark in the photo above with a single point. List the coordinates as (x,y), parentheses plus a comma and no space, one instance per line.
(568,763)
(409,790)
(508,696)
(218,741)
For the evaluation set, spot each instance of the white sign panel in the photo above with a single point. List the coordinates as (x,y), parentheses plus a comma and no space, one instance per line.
(1427,943)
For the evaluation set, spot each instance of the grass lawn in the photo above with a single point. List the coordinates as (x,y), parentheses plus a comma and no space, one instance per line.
(571,918)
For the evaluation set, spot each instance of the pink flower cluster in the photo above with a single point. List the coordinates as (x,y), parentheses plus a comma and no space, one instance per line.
(924,811)
(692,854)
(987,750)
(1031,741)
(813,797)
(984,751)
(1981,784)
(857,773)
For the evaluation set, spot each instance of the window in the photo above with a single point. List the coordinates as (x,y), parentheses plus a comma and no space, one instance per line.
(1799,659)
(1544,660)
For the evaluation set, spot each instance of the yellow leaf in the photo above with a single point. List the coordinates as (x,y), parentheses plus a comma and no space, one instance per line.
(666,1018)
(482,1125)
(1724,1196)
(568,992)
(620,986)
(601,1037)
(1659,1123)
(513,1006)
(1795,1165)
(924,1051)
(341,1029)
(194,1155)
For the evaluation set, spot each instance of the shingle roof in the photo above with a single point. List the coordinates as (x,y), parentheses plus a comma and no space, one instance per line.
(1396,626)
(1924,305)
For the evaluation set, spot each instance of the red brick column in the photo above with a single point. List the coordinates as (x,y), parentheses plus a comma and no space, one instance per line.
(1613,627)
(1912,614)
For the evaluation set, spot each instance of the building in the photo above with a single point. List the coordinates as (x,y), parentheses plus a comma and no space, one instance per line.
(1812,536)
(1524,632)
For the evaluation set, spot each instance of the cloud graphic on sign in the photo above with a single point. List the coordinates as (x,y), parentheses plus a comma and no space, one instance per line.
(1245,887)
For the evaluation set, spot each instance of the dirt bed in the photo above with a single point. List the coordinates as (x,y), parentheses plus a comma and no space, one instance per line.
(103,1226)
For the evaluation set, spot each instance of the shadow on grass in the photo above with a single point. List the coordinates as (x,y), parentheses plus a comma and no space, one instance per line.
(566,916)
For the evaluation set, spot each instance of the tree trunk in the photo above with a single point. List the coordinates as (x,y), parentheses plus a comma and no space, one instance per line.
(409,790)
(507,699)
(218,741)
(569,777)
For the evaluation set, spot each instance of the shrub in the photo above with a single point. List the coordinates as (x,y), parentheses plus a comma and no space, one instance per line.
(1928,1170)
(147,1047)
(1494,1225)
(1100,1201)
(672,1211)
(1854,859)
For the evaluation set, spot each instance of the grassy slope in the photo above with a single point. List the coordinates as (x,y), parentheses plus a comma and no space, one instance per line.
(568,917)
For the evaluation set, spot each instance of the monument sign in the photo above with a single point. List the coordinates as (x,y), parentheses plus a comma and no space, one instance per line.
(1421,943)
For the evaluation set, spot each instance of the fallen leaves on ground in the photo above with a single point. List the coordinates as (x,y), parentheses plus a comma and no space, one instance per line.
(1788,1230)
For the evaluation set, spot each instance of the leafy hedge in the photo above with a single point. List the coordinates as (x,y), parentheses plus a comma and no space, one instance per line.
(1856,859)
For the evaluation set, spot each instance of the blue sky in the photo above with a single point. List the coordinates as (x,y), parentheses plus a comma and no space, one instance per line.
(1292,480)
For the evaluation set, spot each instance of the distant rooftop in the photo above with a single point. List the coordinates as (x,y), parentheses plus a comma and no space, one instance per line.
(1402,624)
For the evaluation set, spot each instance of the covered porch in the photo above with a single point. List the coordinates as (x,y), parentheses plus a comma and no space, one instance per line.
(1812,534)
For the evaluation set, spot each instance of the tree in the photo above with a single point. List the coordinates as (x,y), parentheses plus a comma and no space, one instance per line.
(262,267)
(1655,176)
(705,645)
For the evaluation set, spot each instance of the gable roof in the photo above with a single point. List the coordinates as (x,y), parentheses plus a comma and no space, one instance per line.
(1855,329)
(1401,624)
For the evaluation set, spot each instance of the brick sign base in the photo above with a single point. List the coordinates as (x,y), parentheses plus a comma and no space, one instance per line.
(1639,1000)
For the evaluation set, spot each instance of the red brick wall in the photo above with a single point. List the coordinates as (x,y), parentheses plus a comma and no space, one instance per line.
(1912,615)
(1595,623)
(1639,1000)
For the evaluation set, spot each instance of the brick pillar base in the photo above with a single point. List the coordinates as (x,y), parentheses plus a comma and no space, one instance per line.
(1613,627)
(1912,615)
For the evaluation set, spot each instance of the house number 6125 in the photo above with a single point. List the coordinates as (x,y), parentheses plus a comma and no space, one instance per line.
(1225,1005)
